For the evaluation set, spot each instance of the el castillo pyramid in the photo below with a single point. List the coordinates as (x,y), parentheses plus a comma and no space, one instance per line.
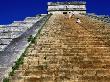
(55,47)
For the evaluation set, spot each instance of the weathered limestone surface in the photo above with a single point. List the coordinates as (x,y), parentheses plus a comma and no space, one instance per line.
(68,52)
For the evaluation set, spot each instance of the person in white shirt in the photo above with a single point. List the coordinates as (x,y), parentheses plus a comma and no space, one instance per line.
(70,14)
(78,20)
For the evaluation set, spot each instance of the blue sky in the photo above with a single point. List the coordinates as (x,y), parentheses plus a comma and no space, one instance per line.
(15,10)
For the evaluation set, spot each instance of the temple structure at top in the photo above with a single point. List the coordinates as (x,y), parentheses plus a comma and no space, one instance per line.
(76,7)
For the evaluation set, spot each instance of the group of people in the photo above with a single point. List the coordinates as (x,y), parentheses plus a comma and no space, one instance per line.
(72,14)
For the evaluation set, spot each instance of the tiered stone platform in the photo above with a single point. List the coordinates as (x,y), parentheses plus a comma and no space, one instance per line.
(68,52)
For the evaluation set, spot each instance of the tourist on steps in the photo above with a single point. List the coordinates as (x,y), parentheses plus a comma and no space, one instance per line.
(70,14)
(78,20)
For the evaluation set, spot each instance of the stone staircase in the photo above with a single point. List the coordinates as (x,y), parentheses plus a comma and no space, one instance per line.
(68,52)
